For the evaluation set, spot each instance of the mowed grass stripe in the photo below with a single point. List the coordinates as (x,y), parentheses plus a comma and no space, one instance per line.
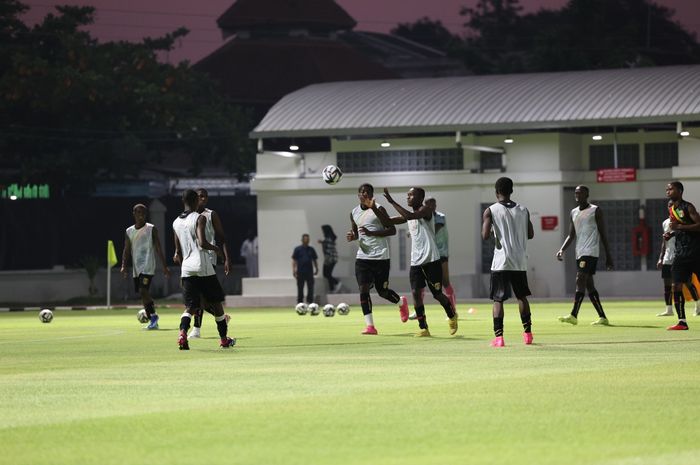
(312,390)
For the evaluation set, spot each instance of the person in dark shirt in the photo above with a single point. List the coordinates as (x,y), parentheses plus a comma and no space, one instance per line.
(304,268)
(685,227)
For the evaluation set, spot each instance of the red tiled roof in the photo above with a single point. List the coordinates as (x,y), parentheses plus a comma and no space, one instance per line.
(261,71)
(313,14)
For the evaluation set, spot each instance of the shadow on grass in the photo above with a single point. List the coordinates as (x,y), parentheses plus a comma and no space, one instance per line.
(589,343)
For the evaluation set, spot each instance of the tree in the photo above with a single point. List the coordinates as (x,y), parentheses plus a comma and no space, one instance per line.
(584,34)
(75,111)
(428,32)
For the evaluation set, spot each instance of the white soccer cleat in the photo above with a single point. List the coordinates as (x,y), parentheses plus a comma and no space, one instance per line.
(194,333)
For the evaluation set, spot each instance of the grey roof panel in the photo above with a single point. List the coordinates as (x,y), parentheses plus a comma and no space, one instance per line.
(502,102)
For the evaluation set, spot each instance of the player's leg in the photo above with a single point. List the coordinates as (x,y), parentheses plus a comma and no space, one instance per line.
(381,284)
(148,304)
(417,281)
(682,273)
(432,272)
(310,296)
(364,275)
(499,292)
(446,284)
(668,290)
(595,300)
(694,294)
(191,297)
(214,294)
(521,289)
(584,266)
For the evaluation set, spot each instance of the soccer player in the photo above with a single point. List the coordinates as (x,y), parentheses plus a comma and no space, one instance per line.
(588,230)
(197,273)
(214,231)
(304,268)
(665,262)
(372,262)
(425,257)
(141,245)
(511,226)
(685,227)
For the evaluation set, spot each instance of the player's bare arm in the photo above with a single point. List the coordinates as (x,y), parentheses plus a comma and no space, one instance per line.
(353,234)
(423,212)
(159,252)
(530,228)
(221,239)
(603,238)
(660,262)
(202,238)
(486,224)
(567,242)
(177,258)
(125,255)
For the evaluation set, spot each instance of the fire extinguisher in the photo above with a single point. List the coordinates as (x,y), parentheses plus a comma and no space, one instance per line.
(640,236)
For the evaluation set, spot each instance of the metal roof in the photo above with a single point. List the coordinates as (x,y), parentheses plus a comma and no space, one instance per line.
(488,103)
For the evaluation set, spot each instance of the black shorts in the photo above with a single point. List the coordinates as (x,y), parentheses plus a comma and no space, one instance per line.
(666,271)
(682,271)
(503,281)
(196,287)
(142,281)
(374,272)
(444,259)
(430,273)
(586,264)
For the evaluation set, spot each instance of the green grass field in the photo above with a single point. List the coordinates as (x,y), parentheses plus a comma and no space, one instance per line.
(93,388)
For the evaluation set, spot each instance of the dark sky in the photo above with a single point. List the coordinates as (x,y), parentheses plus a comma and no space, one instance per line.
(134,19)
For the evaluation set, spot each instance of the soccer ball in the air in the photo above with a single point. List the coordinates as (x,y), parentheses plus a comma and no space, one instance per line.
(142,316)
(301,308)
(328,310)
(343,308)
(313,309)
(46,315)
(332,174)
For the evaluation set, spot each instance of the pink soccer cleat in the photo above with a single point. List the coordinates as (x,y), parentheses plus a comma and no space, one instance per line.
(403,309)
(370,330)
(527,338)
(678,327)
(498,342)
(182,341)
(227,342)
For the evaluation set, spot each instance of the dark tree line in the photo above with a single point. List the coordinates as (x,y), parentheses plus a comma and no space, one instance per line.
(584,34)
(74,111)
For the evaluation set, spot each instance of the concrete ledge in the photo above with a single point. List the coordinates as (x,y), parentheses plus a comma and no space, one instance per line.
(254,301)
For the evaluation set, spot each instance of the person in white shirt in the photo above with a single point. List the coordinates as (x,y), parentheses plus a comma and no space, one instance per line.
(249,252)
(587,229)
(141,245)
(425,257)
(510,224)
(197,272)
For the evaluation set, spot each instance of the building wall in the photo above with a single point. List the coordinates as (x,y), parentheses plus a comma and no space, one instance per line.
(541,165)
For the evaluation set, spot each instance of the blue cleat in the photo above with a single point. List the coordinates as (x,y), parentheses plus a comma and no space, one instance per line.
(154,322)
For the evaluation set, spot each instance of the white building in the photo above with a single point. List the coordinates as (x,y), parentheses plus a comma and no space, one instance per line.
(447,134)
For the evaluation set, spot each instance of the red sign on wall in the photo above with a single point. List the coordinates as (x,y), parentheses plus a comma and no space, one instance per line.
(617,175)
(549,223)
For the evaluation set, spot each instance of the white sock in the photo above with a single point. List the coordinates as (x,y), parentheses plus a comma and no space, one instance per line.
(669,308)
(696,305)
(369,320)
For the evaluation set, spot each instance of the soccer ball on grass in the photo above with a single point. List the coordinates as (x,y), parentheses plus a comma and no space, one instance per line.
(301,308)
(343,308)
(142,316)
(313,309)
(46,315)
(328,310)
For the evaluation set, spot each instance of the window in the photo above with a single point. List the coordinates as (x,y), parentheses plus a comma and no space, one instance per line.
(603,156)
(401,160)
(490,161)
(620,217)
(661,155)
